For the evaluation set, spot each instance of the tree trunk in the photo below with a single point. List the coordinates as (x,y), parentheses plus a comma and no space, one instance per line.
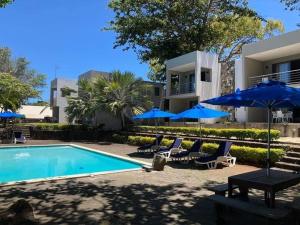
(122,121)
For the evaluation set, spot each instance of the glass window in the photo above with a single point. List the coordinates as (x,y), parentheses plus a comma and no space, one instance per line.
(156,91)
(206,75)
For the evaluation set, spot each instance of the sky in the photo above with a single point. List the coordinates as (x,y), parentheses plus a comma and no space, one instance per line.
(67,36)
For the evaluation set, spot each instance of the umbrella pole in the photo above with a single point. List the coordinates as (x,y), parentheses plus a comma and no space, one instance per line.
(200,128)
(269,142)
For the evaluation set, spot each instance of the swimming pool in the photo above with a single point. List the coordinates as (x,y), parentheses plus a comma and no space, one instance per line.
(32,163)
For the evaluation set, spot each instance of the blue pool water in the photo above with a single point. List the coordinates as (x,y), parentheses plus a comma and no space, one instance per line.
(26,163)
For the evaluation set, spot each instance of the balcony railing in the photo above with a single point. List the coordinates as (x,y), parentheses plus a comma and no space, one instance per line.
(291,77)
(183,88)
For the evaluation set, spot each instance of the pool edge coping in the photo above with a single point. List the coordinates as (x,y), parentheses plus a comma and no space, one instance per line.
(57,178)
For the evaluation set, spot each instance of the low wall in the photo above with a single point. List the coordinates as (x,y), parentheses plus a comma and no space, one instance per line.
(286,129)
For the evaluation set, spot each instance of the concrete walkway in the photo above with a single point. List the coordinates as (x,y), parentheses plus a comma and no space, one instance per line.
(176,195)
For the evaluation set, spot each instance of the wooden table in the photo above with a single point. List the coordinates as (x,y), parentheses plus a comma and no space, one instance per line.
(277,181)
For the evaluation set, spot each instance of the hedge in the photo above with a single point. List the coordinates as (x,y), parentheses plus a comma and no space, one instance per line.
(58,126)
(244,154)
(240,134)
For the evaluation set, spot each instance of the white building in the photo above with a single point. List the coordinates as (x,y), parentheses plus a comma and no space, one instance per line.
(35,113)
(192,78)
(277,58)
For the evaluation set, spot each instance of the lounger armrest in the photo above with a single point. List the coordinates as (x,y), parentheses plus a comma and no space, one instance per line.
(171,152)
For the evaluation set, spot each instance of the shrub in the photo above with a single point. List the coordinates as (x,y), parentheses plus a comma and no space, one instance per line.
(244,154)
(58,126)
(240,134)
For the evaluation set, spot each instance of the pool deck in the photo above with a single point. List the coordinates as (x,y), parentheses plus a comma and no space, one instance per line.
(176,195)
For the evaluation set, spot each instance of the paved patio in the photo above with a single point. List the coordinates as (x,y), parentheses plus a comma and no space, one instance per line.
(174,196)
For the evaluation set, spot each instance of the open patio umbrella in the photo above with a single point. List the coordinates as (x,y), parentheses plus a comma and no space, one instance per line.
(155,114)
(200,112)
(11,115)
(269,94)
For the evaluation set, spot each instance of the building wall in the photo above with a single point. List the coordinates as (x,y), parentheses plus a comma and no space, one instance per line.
(211,89)
(35,112)
(59,102)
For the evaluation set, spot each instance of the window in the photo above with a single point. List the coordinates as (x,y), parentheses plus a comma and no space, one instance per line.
(284,71)
(156,91)
(206,75)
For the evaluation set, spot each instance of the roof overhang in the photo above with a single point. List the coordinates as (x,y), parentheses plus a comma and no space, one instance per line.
(276,53)
(284,45)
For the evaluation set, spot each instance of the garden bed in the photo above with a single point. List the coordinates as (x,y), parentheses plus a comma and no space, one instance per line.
(238,134)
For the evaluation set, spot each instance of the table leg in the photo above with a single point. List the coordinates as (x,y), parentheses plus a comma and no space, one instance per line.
(272,199)
(244,193)
(267,198)
(229,189)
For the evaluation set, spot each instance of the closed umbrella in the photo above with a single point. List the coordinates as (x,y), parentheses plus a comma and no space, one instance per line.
(270,95)
(200,112)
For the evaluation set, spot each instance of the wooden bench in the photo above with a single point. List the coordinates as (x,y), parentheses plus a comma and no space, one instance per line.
(220,189)
(232,211)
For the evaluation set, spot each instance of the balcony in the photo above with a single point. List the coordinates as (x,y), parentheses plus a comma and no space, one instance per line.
(291,77)
(183,88)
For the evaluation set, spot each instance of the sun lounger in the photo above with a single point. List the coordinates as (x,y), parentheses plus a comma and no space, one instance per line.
(174,148)
(187,155)
(154,146)
(19,137)
(222,155)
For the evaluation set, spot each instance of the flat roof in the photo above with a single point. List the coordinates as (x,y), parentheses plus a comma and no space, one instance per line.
(276,47)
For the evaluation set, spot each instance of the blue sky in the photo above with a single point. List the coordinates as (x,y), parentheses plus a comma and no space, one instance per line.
(68,34)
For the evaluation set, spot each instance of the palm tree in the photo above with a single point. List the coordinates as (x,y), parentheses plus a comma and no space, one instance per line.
(122,94)
(83,107)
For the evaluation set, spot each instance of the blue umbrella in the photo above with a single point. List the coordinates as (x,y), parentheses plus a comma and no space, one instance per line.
(11,115)
(200,112)
(269,94)
(154,113)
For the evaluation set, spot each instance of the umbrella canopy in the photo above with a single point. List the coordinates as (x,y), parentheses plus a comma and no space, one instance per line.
(11,115)
(154,113)
(270,95)
(200,112)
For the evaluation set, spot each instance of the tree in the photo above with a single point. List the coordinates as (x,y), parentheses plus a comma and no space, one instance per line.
(122,94)
(3,3)
(67,91)
(20,69)
(40,103)
(82,107)
(158,30)
(13,92)
(292,4)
